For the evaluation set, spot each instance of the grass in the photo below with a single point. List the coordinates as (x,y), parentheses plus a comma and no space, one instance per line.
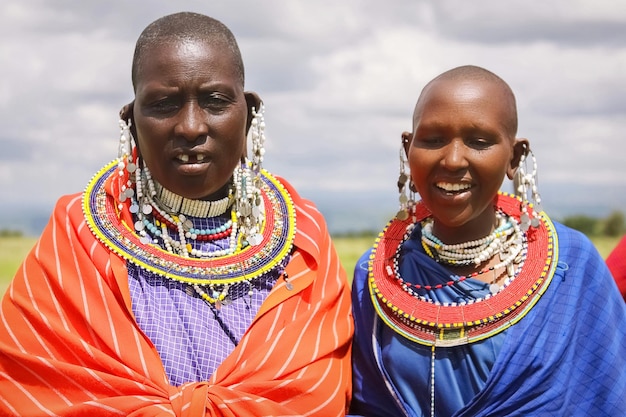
(605,244)
(13,250)
(350,250)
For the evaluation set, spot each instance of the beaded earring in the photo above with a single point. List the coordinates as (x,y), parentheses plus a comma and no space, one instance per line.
(247,181)
(407,194)
(257,136)
(125,163)
(525,184)
(248,203)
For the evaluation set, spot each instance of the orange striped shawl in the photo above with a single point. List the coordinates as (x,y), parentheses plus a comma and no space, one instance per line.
(70,346)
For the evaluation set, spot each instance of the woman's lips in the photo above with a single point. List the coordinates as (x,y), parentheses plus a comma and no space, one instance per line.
(453,187)
(192,164)
(188,158)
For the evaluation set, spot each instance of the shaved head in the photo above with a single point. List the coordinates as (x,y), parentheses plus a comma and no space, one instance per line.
(183,27)
(471,73)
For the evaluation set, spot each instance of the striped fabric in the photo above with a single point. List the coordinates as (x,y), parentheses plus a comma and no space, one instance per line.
(564,358)
(70,346)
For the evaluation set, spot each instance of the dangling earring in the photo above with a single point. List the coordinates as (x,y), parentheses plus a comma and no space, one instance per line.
(248,203)
(130,172)
(125,148)
(257,135)
(125,145)
(407,194)
(125,163)
(247,181)
(526,183)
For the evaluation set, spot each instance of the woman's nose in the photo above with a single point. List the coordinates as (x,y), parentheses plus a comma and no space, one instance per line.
(192,122)
(454,157)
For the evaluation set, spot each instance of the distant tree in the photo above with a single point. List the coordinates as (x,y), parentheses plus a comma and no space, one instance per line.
(585,224)
(615,224)
(356,234)
(10,233)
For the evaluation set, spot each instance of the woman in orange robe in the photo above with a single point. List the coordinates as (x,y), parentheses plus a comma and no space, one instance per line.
(176,249)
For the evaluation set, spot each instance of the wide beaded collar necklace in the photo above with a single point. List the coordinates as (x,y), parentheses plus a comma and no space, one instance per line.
(106,221)
(452,324)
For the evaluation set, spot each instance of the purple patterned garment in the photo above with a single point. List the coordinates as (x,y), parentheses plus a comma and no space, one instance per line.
(191,336)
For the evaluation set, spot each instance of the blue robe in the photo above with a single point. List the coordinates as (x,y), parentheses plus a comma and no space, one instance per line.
(564,358)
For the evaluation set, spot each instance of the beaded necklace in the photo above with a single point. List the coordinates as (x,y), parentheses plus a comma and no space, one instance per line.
(194,208)
(437,324)
(451,324)
(171,209)
(516,255)
(473,252)
(211,274)
(213,233)
(507,241)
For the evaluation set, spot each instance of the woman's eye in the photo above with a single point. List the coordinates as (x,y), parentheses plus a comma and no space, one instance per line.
(479,142)
(430,141)
(214,101)
(164,106)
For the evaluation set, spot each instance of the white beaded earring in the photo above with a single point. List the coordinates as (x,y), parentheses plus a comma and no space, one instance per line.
(525,184)
(125,164)
(247,181)
(407,196)
(257,136)
(248,203)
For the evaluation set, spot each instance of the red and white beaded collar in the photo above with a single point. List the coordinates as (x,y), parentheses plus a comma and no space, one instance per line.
(435,324)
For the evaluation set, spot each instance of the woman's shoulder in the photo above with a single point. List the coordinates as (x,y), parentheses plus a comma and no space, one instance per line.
(573,241)
(69,205)
(579,257)
(312,233)
(307,213)
(298,200)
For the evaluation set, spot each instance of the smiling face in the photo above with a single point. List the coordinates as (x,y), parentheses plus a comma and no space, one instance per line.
(461,148)
(190,116)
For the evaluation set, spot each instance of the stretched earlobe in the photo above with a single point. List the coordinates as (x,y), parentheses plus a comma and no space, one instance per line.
(253,102)
(127,115)
(520,149)
(406,142)
(127,111)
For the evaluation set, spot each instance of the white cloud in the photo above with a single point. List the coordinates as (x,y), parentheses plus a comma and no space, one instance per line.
(339,80)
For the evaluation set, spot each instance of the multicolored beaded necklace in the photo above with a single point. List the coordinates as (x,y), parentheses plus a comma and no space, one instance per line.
(434,324)
(452,324)
(506,241)
(210,276)
(514,256)
(473,252)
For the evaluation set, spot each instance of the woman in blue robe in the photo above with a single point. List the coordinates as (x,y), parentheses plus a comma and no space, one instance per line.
(473,302)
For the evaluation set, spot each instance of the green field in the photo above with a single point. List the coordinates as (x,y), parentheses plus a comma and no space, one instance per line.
(14,249)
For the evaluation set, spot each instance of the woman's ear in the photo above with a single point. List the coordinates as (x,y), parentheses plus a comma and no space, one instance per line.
(520,147)
(127,114)
(406,142)
(254,102)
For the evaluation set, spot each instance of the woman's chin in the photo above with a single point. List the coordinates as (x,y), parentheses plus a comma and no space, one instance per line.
(192,169)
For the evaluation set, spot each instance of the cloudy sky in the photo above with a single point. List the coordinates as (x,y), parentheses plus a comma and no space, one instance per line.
(339,79)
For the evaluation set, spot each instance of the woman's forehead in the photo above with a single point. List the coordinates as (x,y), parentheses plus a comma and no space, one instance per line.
(185,54)
(477,95)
